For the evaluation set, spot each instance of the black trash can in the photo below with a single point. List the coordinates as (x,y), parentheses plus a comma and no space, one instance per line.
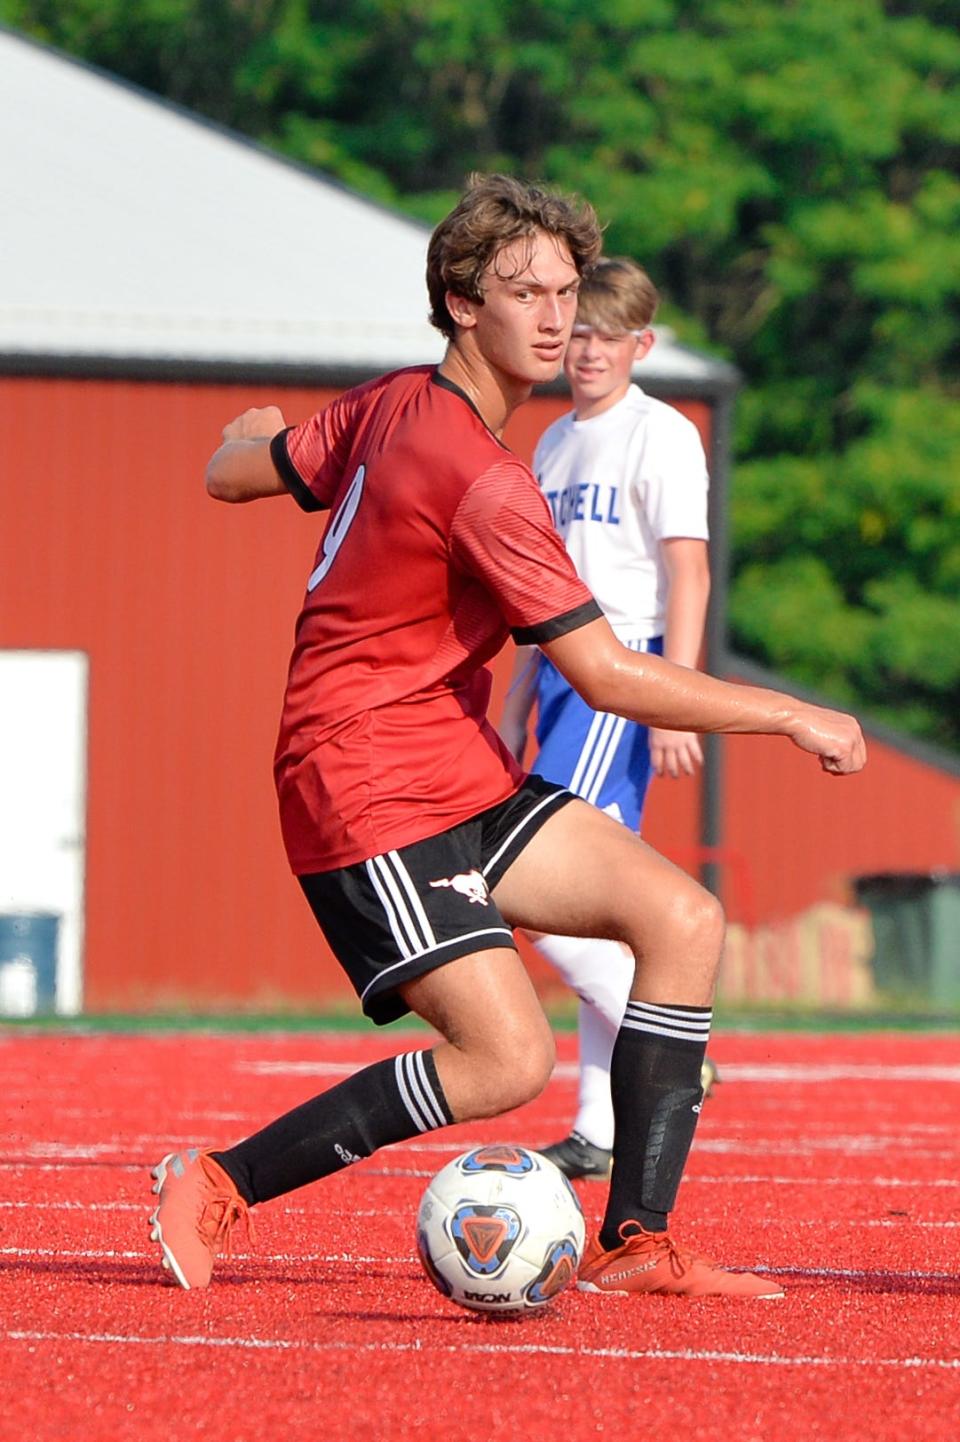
(916,928)
(28,962)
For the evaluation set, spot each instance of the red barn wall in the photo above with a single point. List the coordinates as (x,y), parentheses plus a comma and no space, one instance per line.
(800,836)
(109,545)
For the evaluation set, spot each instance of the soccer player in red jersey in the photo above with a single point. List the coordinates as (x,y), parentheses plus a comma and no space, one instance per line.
(417,840)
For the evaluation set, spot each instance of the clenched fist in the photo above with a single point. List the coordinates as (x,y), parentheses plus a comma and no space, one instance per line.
(258,423)
(832,735)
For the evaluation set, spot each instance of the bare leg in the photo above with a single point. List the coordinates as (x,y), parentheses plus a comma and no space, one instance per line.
(498,1049)
(585,875)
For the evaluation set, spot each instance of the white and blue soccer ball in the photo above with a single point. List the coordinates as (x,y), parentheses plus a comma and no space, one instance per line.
(500,1230)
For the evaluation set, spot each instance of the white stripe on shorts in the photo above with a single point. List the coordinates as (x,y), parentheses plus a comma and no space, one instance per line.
(404,944)
(436,950)
(600,746)
(413,896)
(544,801)
(407,919)
(587,750)
(603,759)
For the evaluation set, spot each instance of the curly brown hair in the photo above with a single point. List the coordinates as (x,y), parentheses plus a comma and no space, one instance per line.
(494,211)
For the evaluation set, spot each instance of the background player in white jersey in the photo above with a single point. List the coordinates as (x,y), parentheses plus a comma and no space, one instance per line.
(626,479)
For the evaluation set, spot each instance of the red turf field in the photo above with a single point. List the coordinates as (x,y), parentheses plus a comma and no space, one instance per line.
(833,1161)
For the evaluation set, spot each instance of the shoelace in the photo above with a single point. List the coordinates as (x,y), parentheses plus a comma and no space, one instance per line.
(680,1258)
(233,1209)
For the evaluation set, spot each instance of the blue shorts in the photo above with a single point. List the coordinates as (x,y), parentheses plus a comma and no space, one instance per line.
(601,757)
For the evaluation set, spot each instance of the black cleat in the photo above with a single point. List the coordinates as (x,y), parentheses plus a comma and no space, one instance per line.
(579,1159)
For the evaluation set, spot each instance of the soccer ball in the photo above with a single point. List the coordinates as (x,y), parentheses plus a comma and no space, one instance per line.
(500,1230)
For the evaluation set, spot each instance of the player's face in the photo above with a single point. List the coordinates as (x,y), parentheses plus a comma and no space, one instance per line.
(599,362)
(530,302)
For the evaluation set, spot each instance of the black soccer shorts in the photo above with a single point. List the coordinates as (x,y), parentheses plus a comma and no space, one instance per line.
(397,916)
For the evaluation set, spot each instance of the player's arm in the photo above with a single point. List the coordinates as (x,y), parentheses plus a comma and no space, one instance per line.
(657,692)
(503,534)
(675,753)
(242,468)
(519,702)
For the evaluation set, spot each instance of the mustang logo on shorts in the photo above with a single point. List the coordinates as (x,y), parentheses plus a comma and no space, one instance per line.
(469,883)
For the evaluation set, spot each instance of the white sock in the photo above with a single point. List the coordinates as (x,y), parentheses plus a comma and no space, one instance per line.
(594,1119)
(601,973)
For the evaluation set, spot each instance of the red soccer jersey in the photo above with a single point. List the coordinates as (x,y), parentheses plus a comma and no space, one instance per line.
(440,544)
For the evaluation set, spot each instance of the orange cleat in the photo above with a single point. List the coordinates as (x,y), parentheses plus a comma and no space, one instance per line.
(652,1262)
(195,1216)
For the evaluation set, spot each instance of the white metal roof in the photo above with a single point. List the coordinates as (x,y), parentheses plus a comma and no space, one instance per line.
(133,230)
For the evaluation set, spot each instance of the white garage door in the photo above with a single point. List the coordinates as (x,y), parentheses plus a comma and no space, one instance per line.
(43,782)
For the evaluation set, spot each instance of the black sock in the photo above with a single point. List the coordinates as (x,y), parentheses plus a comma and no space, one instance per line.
(655,1085)
(387,1102)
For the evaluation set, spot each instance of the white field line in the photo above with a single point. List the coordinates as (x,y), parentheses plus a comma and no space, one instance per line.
(794,1072)
(32,1166)
(28,1165)
(299,1068)
(805,1133)
(152,1147)
(147,1206)
(86,1151)
(750,1180)
(108,1254)
(763,1072)
(799,1145)
(896,1128)
(861,1274)
(155,1146)
(76,1206)
(87,1114)
(620,1354)
(403,1213)
(811,1146)
(753,1180)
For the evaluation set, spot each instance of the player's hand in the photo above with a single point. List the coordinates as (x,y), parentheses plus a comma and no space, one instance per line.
(674,753)
(832,735)
(257,424)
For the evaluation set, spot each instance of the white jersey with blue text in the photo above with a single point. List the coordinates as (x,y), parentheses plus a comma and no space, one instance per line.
(618,485)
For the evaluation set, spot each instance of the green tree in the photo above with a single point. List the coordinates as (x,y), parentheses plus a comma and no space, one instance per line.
(788,169)
(189,51)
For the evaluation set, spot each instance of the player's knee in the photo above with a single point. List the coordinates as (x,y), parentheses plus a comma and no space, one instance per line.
(698,922)
(686,924)
(520,1075)
(535,1068)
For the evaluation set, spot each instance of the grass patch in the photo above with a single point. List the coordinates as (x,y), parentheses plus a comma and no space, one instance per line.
(891,1016)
